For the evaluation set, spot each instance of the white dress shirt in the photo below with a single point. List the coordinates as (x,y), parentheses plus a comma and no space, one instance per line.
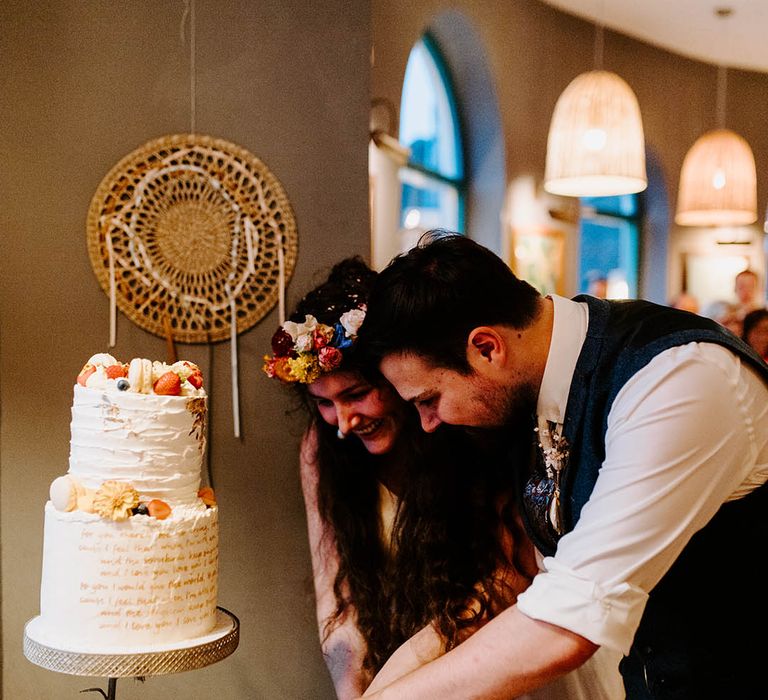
(686,433)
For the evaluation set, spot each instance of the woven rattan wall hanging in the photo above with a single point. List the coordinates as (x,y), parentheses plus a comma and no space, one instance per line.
(194,237)
(187,226)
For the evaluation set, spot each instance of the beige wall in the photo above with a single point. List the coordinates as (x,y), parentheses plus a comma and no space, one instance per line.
(83,83)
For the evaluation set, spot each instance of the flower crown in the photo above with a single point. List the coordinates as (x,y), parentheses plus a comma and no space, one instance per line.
(304,351)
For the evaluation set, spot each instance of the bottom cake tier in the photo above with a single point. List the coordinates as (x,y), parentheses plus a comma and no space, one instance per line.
(124,585)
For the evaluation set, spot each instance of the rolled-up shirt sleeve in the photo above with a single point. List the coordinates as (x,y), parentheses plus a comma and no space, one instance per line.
(674,454)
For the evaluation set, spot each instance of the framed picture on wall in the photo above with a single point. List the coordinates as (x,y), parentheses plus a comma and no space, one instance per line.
(538,257)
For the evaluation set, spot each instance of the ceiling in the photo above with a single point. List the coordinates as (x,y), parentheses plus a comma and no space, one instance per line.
(688,27)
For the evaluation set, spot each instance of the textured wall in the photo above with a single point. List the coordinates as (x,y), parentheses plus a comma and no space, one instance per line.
(83,83)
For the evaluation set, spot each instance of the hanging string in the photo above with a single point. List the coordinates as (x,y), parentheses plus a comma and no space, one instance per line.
(722,90)
(723,13)
(209,421)
(233,363)
(281,278)
(189,11)
(192,70)
(112,293)
(599,13)
(599,45)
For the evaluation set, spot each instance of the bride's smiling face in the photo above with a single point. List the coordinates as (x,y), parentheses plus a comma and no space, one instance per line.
(374,414)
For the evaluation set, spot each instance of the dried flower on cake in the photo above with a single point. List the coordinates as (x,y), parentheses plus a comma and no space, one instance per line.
(207,496)
(158,509)
(197,408)
(85,501)
(115,500)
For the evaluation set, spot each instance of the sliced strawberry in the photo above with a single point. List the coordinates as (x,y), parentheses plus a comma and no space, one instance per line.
(116,371)
(168,384)
(85,372)
(158,509)
(196,379)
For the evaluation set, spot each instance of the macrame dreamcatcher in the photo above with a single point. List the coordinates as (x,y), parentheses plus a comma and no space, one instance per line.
(193,238)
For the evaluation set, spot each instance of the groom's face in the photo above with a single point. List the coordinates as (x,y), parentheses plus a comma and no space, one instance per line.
(445,396)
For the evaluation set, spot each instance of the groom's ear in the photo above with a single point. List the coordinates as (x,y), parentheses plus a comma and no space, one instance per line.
(485,347)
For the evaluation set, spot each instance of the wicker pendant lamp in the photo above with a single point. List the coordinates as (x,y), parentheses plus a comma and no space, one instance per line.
(718,181)
(596,145)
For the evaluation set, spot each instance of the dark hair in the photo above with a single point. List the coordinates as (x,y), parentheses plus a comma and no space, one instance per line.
(445,554)
(442,565)
(428,300)
(751,320)
(347,287)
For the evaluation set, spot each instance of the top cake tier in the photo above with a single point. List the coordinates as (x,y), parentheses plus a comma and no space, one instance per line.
(153,441)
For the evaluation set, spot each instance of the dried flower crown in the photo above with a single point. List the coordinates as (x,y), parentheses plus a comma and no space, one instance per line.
(304,351)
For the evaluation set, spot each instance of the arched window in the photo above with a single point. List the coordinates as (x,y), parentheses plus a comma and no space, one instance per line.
(433,183)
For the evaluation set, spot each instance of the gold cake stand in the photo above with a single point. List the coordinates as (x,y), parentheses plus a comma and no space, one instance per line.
(218,644)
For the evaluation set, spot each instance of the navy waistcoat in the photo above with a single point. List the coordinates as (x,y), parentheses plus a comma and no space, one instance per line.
(693,639)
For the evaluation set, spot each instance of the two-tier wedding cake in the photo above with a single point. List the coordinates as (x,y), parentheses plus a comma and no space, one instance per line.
(130,555)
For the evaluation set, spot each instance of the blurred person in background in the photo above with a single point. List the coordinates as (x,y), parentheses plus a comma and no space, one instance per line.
(756,331)
(686,302)
(726,314)
(746,286)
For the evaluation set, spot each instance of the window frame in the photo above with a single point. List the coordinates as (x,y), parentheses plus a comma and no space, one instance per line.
(458,183)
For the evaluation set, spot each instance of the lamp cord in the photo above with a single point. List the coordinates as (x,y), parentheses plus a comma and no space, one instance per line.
(599,45)
(722,90)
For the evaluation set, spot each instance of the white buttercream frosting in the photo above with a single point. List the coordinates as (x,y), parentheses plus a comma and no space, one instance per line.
(109,586)
(156,443)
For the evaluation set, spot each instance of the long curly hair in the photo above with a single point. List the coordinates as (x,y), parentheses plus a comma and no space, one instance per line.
(442,564)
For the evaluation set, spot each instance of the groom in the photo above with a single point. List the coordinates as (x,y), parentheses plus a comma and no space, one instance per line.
(648,500)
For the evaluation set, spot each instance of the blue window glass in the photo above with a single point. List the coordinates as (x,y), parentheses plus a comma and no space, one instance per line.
(609,246)
(433,181)
(620,205)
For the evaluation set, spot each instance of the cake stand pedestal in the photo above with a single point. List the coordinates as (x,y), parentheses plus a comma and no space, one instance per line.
(217,645)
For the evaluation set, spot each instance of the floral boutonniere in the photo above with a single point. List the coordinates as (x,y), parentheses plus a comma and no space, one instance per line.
(554,455)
